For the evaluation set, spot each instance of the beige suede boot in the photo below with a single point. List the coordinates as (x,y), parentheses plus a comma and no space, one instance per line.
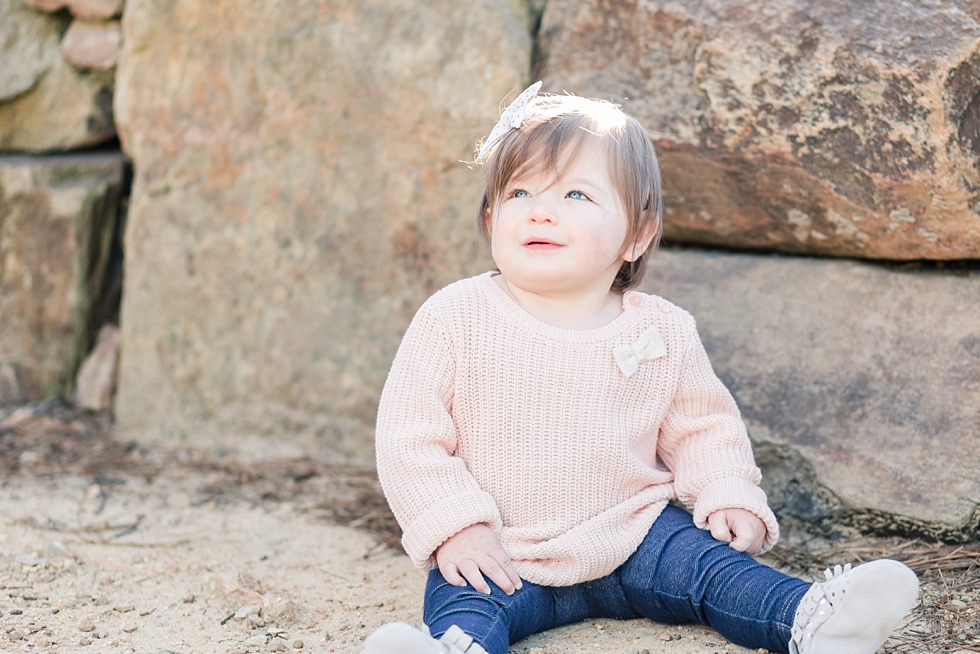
(853,611)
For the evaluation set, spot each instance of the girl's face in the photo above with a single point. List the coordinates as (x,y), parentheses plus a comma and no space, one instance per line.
(562,236)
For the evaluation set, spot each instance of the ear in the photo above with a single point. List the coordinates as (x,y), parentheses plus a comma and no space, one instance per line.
(641,244)
(488,221)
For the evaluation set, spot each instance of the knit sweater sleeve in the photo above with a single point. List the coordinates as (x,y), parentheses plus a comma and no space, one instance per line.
(431,493)
(704,442)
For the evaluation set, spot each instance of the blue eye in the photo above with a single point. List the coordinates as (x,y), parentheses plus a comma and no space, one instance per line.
(577,195)
(521,193)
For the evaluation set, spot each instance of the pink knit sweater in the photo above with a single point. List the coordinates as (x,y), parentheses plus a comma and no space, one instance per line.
(567,443)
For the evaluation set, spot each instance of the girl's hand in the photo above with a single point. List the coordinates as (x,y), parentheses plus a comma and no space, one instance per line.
(741,529)
(473,551)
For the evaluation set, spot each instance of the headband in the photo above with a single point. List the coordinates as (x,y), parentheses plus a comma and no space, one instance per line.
(512,118)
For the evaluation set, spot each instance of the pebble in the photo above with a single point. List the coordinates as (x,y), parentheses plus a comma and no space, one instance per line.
(666,637)
(297,644)
(130,628)
(254,640)
(102,601)
(86,626)
(16,635)
(85,641)
(245,611)
(956,605)
(277,646)
(43,643)
(189,599)
(16,612)
(95,9)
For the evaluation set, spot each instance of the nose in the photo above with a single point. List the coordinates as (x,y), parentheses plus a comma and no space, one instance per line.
(541,211)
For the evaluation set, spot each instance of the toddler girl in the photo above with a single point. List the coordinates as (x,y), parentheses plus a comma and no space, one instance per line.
(538,419)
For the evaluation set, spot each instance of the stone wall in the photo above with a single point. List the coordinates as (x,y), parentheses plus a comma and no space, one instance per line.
(299,189)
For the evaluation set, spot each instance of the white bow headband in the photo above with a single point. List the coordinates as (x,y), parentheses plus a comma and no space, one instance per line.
(512,118)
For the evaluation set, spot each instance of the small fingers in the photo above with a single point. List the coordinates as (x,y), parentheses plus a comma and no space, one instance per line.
(749,532)
(742,543)
(451,574)
(515,579)
(471,571)
(499,569)
(719,527)
(495,573)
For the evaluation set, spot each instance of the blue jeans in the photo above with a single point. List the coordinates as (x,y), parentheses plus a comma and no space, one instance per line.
(679,574)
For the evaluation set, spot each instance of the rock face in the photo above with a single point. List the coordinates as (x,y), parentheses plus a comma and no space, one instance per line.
(45,103)
(57,216)
(871,374)
(834,128)
(298,192)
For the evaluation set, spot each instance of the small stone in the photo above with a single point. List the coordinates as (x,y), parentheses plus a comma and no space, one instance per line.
(44,642)
(89,44)
(102,601)
(297,644)
(536,650)
(86,626)
(85,642)
(125,608)
(16,611)
(666,637)
(277,646)
(255,640)
(956,605)
(189,599)
(16,635)
(97,9)
(130,628)
(245,611)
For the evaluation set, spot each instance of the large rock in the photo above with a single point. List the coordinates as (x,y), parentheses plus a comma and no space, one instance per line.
(57,216)
(298,192)
(45,103)
(837,128)
(862,379)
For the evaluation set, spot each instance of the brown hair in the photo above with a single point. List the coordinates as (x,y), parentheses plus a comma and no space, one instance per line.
(554,130)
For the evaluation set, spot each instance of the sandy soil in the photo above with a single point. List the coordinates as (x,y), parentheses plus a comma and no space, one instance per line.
(107,546)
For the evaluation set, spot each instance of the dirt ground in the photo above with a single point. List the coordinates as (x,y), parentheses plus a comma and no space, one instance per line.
(109,545)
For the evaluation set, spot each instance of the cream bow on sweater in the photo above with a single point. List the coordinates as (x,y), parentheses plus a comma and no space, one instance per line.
(649,346)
